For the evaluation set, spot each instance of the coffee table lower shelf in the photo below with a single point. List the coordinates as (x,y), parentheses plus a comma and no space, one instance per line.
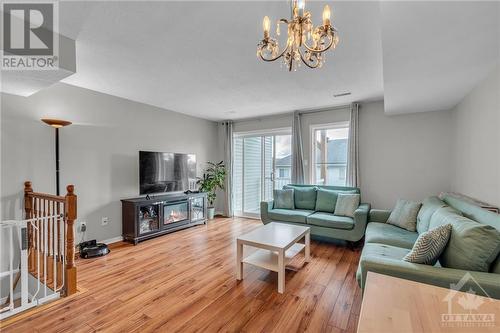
(269,259)
(276,245)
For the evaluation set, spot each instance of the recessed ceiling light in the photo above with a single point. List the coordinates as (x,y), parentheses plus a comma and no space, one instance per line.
(231,112)
(342,94)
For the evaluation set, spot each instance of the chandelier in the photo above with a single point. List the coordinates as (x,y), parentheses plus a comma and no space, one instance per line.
(305,43)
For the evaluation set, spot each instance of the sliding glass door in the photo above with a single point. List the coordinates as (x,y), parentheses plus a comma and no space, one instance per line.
(262,163)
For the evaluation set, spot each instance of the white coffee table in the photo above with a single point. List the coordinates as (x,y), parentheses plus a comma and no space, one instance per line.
(277,243)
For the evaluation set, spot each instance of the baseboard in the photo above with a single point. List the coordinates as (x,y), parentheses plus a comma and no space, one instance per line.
(112,240)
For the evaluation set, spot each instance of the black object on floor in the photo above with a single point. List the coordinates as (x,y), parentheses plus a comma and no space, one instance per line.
(91,249)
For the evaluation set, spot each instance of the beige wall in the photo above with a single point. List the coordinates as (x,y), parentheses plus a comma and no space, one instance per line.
(99,152)
(476,153)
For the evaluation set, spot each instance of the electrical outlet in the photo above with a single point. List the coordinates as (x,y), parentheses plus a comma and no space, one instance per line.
(104,220)
(83,226)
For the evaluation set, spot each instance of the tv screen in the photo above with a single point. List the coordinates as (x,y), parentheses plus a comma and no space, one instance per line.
(166,172)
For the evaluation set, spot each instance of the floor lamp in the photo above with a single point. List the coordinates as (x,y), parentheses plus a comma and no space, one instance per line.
(57,124)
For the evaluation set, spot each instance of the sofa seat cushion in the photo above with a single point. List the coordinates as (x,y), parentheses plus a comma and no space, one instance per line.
(388,234)
(331,221)
(290,215)
(373,252)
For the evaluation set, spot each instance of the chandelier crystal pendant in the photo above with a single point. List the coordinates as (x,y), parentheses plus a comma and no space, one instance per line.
(305,43)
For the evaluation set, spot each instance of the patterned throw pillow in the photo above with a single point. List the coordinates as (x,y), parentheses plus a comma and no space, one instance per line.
(405,214)
(429,246)
(346,204)
(283,199)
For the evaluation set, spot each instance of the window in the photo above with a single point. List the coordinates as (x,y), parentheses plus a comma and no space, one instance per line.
(284,173)
(329,154)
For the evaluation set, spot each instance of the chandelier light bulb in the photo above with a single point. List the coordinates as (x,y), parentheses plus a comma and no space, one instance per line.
(301,4)
(326,15)
(266,25)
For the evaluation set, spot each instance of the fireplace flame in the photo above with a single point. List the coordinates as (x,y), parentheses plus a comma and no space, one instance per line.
(175,216)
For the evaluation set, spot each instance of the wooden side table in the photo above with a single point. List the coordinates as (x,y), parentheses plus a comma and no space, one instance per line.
(397,305)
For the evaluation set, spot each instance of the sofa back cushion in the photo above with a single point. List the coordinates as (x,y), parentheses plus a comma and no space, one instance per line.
(472,246)
(443,216)
(330,187)
(326,200)
(429,206)
(283,199)
(478,214)
(304,197)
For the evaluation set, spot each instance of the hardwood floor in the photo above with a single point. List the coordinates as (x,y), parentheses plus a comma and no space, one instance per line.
(186,281)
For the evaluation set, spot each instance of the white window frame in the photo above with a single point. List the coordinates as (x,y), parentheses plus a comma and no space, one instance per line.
(312,131)
(269,132)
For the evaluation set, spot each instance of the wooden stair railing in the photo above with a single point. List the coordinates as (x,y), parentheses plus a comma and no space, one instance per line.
(51,238)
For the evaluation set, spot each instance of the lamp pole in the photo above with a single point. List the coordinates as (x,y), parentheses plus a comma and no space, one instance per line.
(57,161)
(57,124)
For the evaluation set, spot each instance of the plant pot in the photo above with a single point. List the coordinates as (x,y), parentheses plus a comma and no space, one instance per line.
(211,213)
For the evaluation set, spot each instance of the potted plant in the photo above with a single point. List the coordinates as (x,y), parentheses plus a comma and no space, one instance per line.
(212,180)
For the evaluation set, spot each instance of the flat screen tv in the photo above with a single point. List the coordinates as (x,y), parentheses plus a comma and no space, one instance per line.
(166,172)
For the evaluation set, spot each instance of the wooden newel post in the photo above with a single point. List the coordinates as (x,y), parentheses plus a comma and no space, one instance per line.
(27,199)
(70,214)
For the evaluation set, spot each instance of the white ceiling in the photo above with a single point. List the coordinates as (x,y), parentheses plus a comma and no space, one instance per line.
(434,53)
(199,58)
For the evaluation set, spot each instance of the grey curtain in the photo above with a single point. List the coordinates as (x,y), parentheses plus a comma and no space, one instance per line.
(228,162)
(297,151)
(353,147)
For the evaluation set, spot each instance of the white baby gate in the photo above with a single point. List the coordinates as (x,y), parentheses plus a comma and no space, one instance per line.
(28,247)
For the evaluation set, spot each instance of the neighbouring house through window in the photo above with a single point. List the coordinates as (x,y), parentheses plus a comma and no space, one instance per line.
(329,154)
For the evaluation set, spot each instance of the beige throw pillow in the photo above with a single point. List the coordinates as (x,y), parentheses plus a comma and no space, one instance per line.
(405,214)
(346,204)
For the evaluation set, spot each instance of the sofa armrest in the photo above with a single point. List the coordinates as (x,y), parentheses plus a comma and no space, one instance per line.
(489,283)
(361,214)
(360,220)
(379,215)
(265,207)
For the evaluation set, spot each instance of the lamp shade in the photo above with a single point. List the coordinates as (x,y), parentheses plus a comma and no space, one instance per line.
(57,123)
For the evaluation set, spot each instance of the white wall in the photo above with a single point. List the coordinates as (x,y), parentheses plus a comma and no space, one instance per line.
(99,152)
(476,154)
(405,156)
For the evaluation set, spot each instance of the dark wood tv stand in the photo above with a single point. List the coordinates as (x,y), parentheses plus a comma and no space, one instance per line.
(144,218)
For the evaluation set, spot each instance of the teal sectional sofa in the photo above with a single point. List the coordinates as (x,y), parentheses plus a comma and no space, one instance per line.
(322,222)
(386,245)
